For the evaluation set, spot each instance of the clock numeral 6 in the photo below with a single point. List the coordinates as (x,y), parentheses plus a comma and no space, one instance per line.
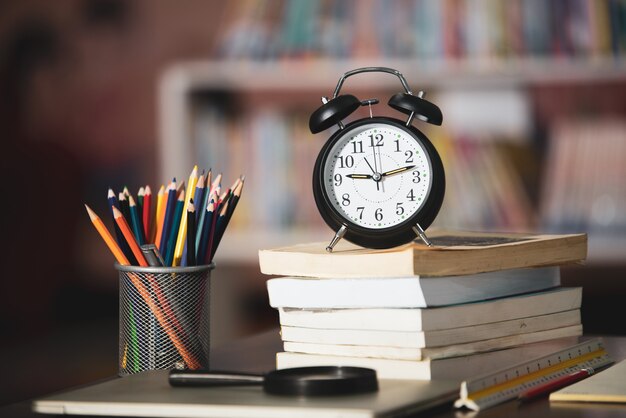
(345,199)
(338,179)
(399,208)
(379,214)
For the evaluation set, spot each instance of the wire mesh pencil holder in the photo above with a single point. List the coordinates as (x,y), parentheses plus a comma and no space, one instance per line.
(164,318)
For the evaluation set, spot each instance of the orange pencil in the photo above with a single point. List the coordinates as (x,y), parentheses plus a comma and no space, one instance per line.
(106,236)
(132,242)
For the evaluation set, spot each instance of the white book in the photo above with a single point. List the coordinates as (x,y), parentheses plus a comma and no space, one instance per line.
(407,292)
(417,319)
(456,368)
(347,338)
(453,350)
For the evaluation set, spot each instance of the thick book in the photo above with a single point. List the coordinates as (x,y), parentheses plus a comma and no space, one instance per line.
(407,292)
(338,341)
(452,253)
(445,317)
(456,368)
(432,353)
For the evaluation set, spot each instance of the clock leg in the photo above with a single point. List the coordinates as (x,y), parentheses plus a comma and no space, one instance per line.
(338,235)
(419,231)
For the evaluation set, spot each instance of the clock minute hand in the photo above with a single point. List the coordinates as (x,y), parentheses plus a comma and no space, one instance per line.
(397,171)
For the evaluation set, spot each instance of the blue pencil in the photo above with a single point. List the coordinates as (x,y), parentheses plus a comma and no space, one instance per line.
(136,221)
(202,208)
(204,233)
(178,214)
(170,207)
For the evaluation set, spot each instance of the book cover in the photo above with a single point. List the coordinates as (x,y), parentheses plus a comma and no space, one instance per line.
(365,343)
(452,253)
(407,292)
(457,368)
(417,319)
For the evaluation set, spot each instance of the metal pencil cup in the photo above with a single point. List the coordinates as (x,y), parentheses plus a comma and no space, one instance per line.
(164,318)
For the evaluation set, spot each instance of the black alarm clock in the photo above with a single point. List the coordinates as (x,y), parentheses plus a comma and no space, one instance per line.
(378,181)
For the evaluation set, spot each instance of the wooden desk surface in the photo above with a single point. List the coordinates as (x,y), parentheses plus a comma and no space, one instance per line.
(256,354)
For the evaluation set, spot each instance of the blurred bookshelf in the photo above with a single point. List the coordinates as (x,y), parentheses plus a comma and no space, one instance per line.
(486,63)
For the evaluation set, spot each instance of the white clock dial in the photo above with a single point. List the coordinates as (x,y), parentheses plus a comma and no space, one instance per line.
(377,175)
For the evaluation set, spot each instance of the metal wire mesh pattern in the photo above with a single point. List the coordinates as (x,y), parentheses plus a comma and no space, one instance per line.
(164,318)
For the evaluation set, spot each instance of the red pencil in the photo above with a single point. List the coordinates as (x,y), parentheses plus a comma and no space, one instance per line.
(556,384)
(147,200)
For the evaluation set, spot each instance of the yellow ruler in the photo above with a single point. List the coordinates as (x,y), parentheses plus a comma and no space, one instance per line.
(494,388)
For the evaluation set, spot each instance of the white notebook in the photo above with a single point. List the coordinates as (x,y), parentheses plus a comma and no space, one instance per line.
(149,394)
(606,386)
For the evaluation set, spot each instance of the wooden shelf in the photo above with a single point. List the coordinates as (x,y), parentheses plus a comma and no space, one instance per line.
(181,80)
(323,73)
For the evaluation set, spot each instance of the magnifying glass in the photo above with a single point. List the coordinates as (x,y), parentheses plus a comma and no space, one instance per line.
(297,381)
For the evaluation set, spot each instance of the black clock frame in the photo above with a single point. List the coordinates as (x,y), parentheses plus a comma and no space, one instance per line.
(393,235)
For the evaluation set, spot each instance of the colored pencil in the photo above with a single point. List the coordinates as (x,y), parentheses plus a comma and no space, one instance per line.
(198,196)
(182,230)
(121,222)
(180,189)
(218,231)
(216,183)
(236,197)
(140,197)
(106,236)
(135,221)
(205,233)
(121,241)
(124,207)
(200,224)
(191,235)
(126,191)
(169,216)
(147,211)
(171,244)
(158,215)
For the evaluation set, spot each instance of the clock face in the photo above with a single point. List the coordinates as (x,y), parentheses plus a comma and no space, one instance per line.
(377,175)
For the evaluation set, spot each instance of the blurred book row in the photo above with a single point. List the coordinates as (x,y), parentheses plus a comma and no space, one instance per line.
(423,29)
(491,183)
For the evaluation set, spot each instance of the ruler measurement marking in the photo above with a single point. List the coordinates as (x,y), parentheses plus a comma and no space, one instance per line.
(521,380)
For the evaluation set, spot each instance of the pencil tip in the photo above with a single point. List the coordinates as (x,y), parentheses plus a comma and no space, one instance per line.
(111,193)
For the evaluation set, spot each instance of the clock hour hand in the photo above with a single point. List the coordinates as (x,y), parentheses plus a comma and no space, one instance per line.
(397,171)
(359,176)
(376,176)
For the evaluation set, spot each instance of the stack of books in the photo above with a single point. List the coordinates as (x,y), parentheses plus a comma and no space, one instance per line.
(473,302)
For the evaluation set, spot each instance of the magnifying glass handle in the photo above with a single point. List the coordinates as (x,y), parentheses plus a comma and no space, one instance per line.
(213,378)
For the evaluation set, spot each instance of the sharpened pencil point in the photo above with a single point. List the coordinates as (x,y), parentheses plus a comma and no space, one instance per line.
(92,214)
(111,193)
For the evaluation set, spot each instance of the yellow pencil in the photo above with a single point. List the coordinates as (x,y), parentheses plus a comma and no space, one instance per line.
(159,216)
(106,236)
(182,230)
